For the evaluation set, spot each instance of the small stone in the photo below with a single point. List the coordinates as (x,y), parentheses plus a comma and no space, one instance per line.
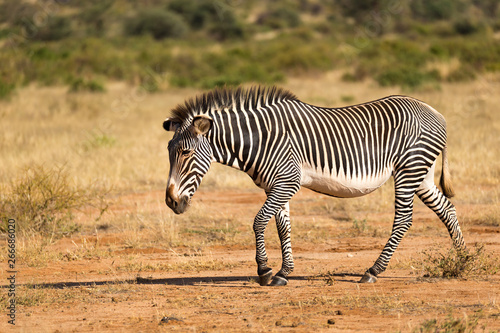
(331,322)
(300,323)
(338,313)
(166,320)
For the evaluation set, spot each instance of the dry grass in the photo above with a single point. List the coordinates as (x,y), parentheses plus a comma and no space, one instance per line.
(43,201)
(191,264)
(115,140)
(461,263)
(451,324)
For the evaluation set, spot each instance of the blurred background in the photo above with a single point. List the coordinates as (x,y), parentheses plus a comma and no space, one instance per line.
(159,44)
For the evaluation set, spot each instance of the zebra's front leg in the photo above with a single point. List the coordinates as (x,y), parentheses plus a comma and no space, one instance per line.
(284,232)
(275,203)
(259,228)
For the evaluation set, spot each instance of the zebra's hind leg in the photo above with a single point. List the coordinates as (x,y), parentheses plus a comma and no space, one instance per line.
(402,222)
(284,228)
(433,198)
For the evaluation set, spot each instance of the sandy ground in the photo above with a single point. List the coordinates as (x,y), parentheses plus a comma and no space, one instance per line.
(213,289)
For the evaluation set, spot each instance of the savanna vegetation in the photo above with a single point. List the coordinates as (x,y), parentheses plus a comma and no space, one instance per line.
(84,88)
(162,43)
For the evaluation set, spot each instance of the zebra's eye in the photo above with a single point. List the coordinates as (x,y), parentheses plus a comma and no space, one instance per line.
(186,152)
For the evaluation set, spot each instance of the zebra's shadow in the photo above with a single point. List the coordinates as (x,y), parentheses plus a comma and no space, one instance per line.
(222,281)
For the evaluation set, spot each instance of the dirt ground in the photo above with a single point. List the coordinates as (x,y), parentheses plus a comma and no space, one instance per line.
(211,288)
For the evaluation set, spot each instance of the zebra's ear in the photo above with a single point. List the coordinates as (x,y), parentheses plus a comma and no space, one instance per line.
(171,124)
(202,124)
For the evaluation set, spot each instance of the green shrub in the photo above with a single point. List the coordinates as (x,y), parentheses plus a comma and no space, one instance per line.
(282,17)
(228,27)
(466,26)
(93,16)
(56,28)
(198,13)
(157,22)
(435,10)
(361,9)
(407,77)
(6,89)
(295,56)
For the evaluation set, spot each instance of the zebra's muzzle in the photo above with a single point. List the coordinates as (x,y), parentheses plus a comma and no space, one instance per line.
(178,205)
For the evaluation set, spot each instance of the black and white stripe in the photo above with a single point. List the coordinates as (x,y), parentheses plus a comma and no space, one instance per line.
(283,144)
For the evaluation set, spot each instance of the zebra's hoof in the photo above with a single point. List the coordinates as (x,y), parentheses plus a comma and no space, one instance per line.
(265,277)
(368,278)
(278,281)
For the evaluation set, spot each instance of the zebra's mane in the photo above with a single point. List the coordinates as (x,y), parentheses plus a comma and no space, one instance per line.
(220,98)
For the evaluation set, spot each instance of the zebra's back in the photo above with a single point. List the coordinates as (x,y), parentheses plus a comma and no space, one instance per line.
(351,151)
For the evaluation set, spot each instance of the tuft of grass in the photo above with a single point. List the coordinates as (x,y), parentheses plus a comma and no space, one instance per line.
(43,201)
(359,226)
(98,140)
(460,263)
(328,277)
(449,325)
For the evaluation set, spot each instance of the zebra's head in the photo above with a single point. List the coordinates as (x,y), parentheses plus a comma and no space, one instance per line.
(190,156)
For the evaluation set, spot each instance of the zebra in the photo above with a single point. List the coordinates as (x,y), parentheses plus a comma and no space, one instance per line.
(283,144)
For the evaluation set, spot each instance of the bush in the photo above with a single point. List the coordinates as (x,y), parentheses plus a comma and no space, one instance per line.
(227,28)
(407,77)
(197,13)
(42,201)
(466,27)
(56,28)
(157,22)
(460,263)
(361,9)
(435,10)
(279,18)
(93,16)
(6,89)
(293,56)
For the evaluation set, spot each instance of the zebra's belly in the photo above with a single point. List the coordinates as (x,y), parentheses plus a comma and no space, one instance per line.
(340,185)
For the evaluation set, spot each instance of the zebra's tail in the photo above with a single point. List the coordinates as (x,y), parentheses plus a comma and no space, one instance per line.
(445,181)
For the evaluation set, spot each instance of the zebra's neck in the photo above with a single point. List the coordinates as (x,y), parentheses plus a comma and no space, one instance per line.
(231,138)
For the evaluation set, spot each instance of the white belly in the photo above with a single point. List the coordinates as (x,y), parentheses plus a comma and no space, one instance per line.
(340,185)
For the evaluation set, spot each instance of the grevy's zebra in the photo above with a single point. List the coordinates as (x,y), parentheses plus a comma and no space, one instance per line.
(283,144)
